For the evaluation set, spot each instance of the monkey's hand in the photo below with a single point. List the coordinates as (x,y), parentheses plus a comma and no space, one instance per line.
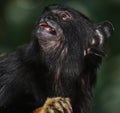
(55,105)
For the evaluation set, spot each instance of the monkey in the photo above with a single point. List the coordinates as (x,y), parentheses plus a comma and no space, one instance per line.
(57,69)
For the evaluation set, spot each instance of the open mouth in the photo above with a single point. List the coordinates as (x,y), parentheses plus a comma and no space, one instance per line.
(47,27)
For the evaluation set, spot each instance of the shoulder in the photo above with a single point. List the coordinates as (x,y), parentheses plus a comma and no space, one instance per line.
(12,60)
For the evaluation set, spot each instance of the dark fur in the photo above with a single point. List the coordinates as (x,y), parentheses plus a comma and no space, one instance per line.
(34,72)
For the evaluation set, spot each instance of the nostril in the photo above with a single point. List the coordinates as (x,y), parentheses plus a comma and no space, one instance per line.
(49,17)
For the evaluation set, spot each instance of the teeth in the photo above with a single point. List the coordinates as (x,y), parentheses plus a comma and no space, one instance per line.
(47,28)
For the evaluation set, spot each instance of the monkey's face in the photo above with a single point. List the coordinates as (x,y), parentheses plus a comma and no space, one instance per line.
(64,33)
(59,28)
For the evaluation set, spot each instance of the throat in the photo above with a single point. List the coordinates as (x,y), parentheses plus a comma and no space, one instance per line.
(62,82)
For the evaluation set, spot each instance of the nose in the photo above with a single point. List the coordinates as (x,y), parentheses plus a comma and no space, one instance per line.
(52,16)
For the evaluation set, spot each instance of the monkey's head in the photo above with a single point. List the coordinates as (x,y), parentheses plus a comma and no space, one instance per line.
(66,36)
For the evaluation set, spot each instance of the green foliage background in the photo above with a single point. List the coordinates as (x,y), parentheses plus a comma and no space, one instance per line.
(17,18)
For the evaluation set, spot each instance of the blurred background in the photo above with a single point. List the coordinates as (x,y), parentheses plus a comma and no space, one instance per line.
(17,18)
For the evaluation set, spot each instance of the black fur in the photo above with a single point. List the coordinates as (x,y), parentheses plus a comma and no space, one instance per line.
(56,63)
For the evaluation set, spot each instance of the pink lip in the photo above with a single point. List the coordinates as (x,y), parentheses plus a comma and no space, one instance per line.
(47,27)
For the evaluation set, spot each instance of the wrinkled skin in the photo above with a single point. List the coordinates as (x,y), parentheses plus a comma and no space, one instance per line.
(61,61)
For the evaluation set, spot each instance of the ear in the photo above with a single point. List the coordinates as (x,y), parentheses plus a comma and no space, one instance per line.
(98,43)
(103,31)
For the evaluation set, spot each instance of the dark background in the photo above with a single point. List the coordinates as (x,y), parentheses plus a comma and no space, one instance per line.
(17,18)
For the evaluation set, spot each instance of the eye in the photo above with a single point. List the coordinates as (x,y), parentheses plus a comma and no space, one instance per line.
(65,15)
